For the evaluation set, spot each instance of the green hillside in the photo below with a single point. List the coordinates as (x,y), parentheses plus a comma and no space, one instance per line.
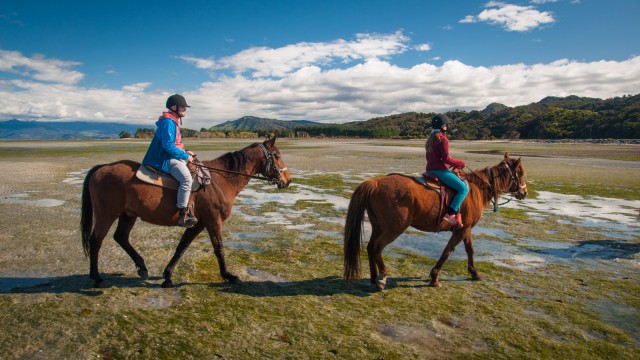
(570,117)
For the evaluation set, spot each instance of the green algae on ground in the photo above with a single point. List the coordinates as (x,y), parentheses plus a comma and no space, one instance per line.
(293,302)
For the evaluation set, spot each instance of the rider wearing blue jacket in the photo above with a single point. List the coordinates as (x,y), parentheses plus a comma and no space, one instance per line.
(166,153)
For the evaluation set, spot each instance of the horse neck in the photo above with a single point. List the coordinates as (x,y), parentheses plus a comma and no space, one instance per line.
(240,162)
(480,180)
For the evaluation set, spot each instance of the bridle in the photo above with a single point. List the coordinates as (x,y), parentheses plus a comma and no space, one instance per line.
(270,165)
(515,181)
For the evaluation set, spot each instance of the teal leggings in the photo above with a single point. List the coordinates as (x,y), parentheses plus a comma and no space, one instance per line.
(454,182)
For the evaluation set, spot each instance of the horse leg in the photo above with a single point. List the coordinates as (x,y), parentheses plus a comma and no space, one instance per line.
(468,247)
(98,234)
(379,240)
(215,233)
(121,236)
(185,241)
(451,245)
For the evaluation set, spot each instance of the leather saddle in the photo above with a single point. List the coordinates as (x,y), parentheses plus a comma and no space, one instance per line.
(200,175)
(432,182)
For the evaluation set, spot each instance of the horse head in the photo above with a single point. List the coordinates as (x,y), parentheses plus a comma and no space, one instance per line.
(517,183)
(275,168)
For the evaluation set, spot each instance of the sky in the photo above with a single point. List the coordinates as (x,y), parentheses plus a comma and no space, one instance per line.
(323,60)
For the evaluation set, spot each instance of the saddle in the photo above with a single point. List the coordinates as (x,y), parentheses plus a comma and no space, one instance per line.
(432,182)
(200,175)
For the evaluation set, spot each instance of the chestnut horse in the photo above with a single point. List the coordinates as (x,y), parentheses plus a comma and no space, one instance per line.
(395,202)
(112,192)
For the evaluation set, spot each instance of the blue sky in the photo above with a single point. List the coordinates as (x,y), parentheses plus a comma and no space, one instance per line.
(328,61)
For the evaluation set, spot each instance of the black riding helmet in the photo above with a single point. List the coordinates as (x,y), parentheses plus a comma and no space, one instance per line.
(176,99)
(439,120)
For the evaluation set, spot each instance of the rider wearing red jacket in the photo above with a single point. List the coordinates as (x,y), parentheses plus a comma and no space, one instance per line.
(439,163)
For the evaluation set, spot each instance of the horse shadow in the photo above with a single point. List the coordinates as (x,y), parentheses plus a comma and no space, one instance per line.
(320,287)
(78,284)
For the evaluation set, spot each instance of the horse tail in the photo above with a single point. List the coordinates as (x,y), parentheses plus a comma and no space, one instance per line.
(86,215)
(353,229)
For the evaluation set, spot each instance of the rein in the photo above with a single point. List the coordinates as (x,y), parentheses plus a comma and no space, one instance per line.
(269,159)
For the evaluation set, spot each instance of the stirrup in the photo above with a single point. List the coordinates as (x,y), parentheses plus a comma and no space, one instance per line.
(186,220)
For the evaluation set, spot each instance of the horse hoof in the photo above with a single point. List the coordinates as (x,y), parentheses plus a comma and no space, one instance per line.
(235,280)
(476,277)
(143,273)
(435,284)
(167,284)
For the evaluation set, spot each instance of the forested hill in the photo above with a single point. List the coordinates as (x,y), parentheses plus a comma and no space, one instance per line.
(569,117)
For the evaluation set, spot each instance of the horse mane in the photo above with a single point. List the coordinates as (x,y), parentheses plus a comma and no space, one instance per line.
(236,160)
(479,179)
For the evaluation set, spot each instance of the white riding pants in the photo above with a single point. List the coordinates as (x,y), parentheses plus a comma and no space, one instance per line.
(179,170)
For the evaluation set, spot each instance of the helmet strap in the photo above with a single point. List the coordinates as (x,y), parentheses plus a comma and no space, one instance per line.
(177,112)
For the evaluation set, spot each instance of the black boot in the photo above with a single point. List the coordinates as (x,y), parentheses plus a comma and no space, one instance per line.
(186,220)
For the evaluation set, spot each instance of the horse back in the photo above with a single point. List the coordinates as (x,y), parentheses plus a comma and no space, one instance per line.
(402,199)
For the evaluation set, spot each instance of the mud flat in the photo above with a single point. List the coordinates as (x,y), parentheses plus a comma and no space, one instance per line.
(561,268)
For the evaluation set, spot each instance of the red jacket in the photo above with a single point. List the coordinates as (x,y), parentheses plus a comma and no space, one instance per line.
(438,158)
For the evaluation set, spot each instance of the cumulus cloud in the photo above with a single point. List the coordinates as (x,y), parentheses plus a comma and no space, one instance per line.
(265,61)
(313,83)
(377,87)
(39,67)
(511,17)
(135,88)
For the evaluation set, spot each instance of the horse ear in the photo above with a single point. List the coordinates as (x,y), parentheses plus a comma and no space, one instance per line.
(518,162)
(506,155)
(271,141)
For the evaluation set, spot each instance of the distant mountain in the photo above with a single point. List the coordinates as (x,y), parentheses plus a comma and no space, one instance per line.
(494,108)
(252,123)
(41,130)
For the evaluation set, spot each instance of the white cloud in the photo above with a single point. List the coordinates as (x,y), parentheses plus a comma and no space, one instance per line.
(423,47)
(200,63)
(139,87)
(511,17)
(468,19)
(39,67)
(265,61)
(314,86)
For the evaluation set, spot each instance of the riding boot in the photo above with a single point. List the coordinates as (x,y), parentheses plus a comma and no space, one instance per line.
(185,219)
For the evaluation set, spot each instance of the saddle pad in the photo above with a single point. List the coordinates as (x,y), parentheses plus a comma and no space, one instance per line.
(155,177)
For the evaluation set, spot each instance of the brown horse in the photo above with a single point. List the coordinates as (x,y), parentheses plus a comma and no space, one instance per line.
(112,192)
(395,202)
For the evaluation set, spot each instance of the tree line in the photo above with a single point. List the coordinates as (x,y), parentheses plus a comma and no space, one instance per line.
(569,117)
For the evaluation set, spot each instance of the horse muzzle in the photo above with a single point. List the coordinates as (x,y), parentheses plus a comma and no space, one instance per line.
(284,180)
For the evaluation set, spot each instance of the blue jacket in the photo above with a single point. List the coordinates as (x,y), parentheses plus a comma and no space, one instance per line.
(163,146)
